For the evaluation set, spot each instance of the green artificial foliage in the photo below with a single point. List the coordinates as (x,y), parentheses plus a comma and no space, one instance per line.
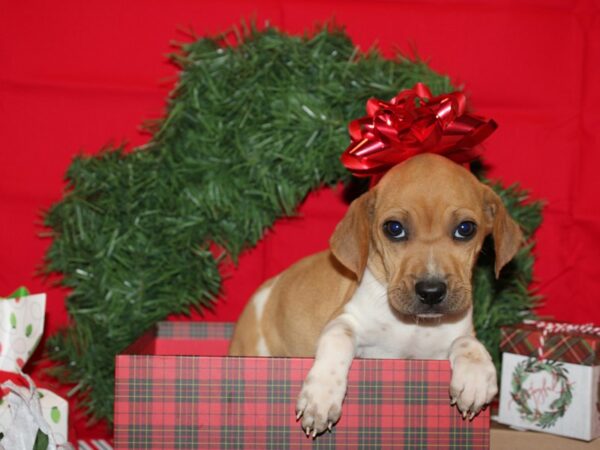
(251,129)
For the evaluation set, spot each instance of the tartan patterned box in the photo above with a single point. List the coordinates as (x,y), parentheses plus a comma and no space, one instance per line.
(166,398)
(576,346)
(551,378)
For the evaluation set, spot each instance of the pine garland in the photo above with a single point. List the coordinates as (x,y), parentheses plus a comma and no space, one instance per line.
(250,130)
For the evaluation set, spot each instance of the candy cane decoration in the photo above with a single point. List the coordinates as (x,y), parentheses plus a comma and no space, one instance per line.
(559,327)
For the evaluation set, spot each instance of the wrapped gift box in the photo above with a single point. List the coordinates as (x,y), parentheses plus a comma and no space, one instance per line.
(21,328)
(54,409)
(176,389)
(550,379)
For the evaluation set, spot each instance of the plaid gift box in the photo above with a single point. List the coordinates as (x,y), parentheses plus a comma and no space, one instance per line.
(551,378)
(166,398)
(559,342)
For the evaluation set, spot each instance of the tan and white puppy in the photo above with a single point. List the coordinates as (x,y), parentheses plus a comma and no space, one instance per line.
(396,283)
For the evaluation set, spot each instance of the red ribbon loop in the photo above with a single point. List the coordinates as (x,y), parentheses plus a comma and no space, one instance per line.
(414,122)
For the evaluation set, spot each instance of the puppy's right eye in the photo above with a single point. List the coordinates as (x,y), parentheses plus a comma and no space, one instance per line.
(465,230)
(394,230)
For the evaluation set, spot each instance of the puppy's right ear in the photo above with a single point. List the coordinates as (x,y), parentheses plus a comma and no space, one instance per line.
(507,234)
(349,242)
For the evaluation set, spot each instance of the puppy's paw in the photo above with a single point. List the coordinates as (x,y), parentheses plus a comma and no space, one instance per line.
(473,385)
(320,401)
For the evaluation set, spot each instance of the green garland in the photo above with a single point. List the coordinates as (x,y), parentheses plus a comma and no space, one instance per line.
(251,129)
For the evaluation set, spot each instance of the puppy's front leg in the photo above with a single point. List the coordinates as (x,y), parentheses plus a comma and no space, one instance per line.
(473,375)
(320,400)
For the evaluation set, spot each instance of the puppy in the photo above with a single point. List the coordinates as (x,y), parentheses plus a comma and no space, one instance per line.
(396,283)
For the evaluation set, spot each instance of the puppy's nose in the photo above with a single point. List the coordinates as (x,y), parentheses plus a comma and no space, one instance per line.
(431,292)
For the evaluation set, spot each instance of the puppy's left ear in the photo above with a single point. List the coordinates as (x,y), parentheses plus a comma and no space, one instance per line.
(507,234)
(349,242)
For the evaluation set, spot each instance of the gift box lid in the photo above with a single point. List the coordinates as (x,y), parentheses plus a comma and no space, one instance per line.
(576,344)
(166,397)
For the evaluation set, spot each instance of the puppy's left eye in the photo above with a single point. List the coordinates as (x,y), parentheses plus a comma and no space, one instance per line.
(394,230)
(465,231)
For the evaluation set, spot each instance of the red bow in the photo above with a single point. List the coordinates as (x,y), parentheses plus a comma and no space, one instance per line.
(413,122)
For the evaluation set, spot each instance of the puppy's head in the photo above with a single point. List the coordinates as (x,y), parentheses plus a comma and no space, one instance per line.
(420,230)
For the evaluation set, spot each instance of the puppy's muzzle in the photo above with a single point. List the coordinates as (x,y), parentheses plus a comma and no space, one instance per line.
(431,292)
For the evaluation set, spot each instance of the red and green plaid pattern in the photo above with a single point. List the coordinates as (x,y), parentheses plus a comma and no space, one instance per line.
(195,330)
(168,401)
(575,348)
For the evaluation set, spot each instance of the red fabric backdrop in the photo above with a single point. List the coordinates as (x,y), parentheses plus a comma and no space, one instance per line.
(77,75)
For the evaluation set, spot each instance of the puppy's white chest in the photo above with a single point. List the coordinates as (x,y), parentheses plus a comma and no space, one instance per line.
(383,334)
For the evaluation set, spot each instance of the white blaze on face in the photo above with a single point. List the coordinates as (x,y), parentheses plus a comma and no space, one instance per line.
(432,268)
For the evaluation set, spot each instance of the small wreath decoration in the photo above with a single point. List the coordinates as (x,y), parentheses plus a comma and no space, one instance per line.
(521,395)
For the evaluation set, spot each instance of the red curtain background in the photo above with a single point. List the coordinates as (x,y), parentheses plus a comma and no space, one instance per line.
(77,75)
